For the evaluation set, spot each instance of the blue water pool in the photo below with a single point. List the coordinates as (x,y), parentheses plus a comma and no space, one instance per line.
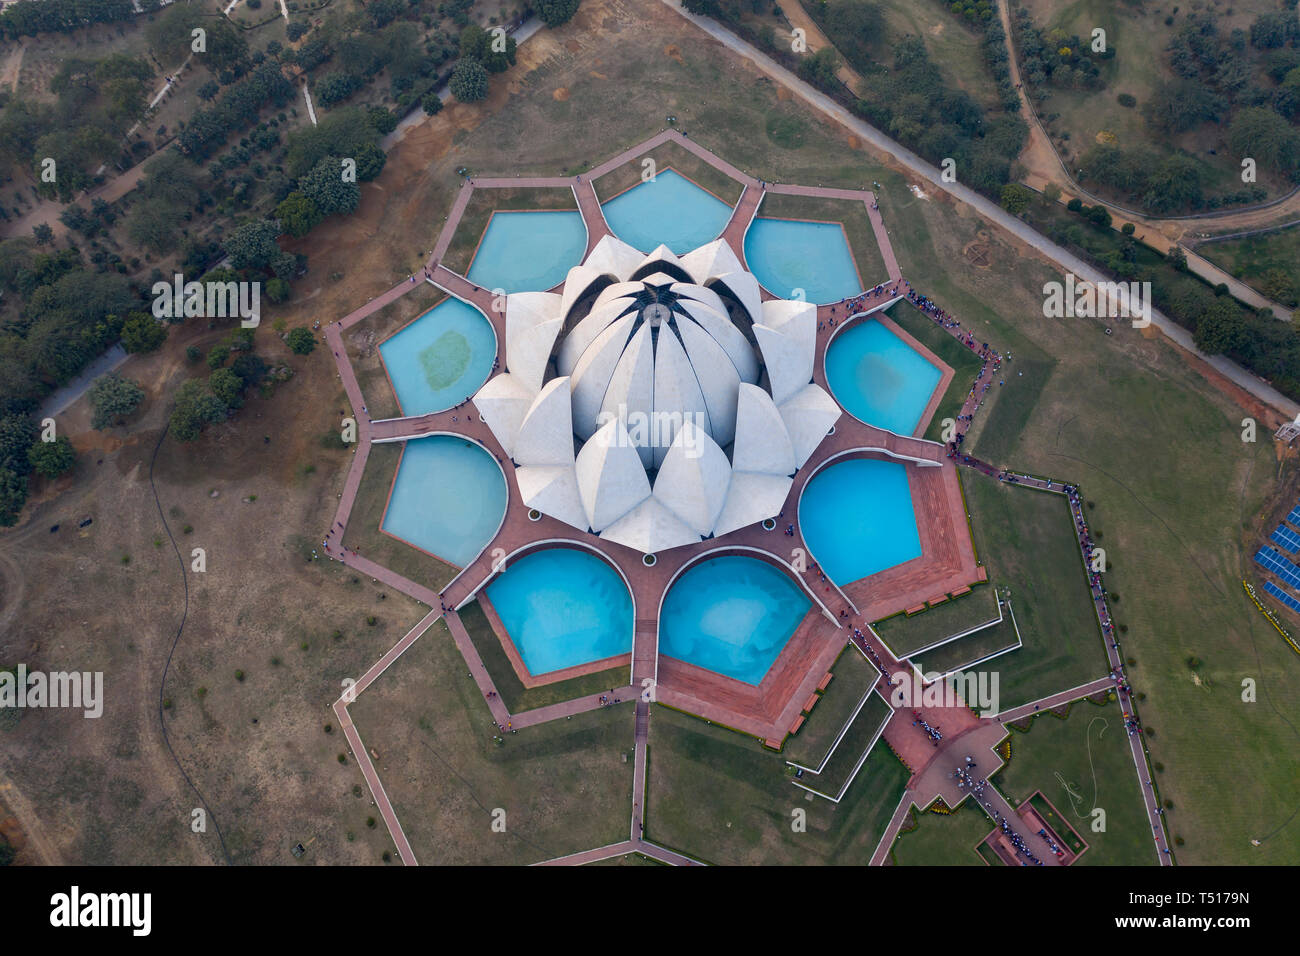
(670,209)
(441,358)
(879,378)
(731,615)
(529,251)
(789,254)
(448,498)
(857,518)
(563,607)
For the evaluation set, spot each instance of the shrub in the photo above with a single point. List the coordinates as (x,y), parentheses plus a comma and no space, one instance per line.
(301,341)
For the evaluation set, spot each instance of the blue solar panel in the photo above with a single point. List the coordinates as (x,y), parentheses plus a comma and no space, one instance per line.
(1282,596)
(1294,516)
(1288,539)
(1270,559)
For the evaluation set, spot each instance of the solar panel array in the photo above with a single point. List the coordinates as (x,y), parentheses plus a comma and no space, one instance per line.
(1282,596)
(1284,569)
(1288,539)
(1294,516)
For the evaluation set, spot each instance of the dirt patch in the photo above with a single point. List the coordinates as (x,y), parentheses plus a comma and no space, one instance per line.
(783,94)
(561,94)
(1107,138)
(673,52)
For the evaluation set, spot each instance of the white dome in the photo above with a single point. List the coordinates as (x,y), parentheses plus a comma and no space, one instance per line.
(629,368)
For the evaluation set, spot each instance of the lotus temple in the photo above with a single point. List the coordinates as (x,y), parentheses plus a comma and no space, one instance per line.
(663,436)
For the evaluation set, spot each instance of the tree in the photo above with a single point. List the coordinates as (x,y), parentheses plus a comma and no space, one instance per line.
(301,341)
(17,432)
(253,245)
(43,233)
(1015,198)
(49,459)
(370,162)
(228,387)
(469,81)
(432,103)
(328,190)
(195,409)
(1221,329)
(13,495)
(112,398)
(298,214)
(141,332)
(556,12)
(250,368)
(1266,137)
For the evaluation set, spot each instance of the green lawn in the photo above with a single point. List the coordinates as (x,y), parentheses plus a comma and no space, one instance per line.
(905,635)
(565,786)
(839,769)
(943,840)
(971,648)
(1026,540)
(854,677)
(722,798)
(1080,763)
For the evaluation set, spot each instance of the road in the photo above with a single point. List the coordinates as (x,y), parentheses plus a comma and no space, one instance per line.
(1063,258)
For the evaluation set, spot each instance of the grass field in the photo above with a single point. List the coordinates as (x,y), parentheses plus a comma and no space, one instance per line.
(564,786)
(964,363)
(853,216)
(728,801)
(971,648)
(839,769)
(854,677)
(905,635)
(1080,763)
(1251,259)
(514,694)
(943,839)
(1026,541)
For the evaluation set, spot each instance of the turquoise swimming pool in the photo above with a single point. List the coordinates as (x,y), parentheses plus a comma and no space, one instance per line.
(731,615)
(448,498)
(879,378)
(563,607)
(528,251)
(669,209)
(786,255)
(441,358)
(857,518)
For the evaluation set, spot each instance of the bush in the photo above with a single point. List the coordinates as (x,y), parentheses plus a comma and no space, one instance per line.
(52,458)
(301,341)
(1127,100)
(112,398)
(143,333)
(556,12)
(432,104)
(469,81)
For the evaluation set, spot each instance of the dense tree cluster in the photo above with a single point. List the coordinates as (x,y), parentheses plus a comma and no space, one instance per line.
(238,108)
(30,17)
